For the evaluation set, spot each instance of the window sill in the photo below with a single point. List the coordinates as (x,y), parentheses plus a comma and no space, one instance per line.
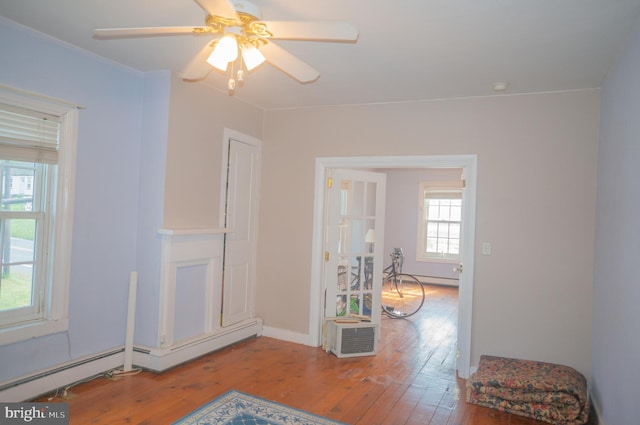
(31,330)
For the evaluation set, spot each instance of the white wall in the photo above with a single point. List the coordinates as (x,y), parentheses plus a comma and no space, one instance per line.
(401,220)
(536,205)
(198,117)
(616,295)
(155,118)
(106,196)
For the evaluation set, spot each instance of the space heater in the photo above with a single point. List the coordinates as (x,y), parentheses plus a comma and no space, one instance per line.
(352,339)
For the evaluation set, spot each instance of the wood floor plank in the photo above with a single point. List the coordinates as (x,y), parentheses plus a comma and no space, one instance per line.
(410,381)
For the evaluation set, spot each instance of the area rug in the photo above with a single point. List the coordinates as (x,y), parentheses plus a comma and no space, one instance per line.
(547,392)
(236,408)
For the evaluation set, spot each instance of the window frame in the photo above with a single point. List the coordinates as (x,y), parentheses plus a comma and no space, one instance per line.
(445,187)
(57,266)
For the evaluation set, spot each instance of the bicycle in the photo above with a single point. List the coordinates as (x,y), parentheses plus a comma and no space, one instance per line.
(402,294)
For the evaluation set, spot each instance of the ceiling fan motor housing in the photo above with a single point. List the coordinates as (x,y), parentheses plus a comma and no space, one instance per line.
(247,8)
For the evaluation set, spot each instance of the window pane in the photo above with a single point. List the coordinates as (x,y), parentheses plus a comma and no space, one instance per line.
(454,246)
(344,244)
(456,213)
(17,185)
(454,230)
(19,245)
(16,287)
(433,211)
(370,201)
(442,246)
(341,305)
(354,304)
(368,303)
(443,230)
(344,202)
(432,229)
(445,211)
(342,278)
(432,244)
(357,197)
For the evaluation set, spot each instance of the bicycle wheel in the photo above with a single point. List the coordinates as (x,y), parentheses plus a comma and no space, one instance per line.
(402,295)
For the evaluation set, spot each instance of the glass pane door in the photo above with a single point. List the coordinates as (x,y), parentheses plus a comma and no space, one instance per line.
(353,234)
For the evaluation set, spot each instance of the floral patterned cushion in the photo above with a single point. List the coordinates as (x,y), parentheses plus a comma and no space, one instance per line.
(544,391)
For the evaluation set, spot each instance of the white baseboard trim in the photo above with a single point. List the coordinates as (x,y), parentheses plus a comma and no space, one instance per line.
(432,280)
(287,335)
(160,359)
(34,385)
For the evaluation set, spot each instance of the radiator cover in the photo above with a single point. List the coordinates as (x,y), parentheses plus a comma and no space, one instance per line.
(352,339)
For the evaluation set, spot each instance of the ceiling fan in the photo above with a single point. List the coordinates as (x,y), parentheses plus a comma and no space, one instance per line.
(242,41)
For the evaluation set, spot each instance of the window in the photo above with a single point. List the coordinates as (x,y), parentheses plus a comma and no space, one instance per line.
(37,156)
(440,221)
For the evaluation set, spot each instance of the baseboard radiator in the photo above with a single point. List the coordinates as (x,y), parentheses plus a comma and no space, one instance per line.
(43,382)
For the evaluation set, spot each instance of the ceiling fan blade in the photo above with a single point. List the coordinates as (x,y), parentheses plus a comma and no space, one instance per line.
(148,32)
(314,31)
(199,68)
(218,8)
(288,63)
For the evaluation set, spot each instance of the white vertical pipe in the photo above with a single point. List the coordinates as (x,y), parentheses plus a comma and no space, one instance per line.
(131,314)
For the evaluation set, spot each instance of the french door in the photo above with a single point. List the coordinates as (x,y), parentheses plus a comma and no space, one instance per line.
(354,233)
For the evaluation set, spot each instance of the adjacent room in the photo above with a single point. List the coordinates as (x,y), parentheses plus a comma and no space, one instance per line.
(182,228)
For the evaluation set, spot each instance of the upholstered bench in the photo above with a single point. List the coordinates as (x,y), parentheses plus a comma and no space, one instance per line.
(544,391)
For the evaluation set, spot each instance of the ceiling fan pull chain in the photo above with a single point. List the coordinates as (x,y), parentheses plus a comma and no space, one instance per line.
(240,73)
(231,84)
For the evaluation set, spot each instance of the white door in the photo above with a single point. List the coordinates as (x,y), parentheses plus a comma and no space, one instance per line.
(240,215)
(353,257)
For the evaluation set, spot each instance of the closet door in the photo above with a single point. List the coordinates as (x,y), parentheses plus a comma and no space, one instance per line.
(241,217)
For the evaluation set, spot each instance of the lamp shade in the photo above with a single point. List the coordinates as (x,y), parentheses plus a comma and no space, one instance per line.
(370,236)
(252,57)
(225,51)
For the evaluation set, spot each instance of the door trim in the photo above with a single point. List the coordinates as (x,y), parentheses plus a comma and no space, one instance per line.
(465,301)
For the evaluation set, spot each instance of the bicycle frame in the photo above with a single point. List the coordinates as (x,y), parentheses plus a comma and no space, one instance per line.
(397,259)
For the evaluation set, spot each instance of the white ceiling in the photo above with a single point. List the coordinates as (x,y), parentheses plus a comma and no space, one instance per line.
(407,50)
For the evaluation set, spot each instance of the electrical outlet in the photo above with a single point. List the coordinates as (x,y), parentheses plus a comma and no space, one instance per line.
(486,248)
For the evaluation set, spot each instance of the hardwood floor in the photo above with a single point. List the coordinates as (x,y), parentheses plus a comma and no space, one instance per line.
(410,381)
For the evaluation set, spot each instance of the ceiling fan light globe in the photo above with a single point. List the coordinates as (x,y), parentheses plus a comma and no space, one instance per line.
(227,48)
(218,61)
(252,57)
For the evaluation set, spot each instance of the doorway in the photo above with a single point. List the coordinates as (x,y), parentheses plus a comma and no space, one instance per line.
(468,163)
